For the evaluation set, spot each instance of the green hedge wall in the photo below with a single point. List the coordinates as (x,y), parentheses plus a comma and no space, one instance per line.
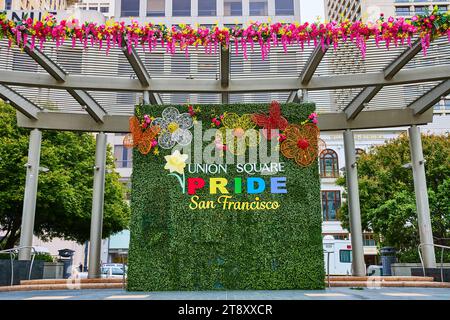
(175,248)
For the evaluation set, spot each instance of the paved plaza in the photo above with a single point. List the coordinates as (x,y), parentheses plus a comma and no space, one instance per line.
(329,294)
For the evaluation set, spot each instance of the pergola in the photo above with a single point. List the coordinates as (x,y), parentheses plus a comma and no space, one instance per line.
(86,90)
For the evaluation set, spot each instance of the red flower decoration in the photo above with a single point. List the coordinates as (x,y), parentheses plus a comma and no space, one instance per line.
(271,122)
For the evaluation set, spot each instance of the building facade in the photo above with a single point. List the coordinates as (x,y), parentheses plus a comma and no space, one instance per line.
(370,10)
(35,4)
(206,12)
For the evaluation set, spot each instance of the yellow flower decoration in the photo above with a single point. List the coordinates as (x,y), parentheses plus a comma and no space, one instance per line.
(239,125)
(176,162)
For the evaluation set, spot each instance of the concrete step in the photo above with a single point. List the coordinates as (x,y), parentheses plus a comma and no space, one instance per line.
(379,278)
(78,286)
(68,281)
(410,284)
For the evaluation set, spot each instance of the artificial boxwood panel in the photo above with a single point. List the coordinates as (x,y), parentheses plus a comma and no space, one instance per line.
(175,248)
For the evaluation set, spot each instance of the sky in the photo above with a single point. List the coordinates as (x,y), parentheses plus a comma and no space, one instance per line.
(310,9)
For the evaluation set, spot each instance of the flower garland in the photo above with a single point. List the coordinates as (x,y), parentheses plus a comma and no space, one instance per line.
(149,36)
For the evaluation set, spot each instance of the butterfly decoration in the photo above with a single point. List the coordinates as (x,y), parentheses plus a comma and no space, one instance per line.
(271,122)
(143,140)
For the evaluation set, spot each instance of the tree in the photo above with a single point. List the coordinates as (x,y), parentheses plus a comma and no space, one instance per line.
(387,198)
(64,197)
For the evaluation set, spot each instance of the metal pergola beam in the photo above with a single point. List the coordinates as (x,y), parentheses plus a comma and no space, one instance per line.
(328,121)
(25,106)
(136,64)
(140,70)
(85,100)
(428,100)
(54,70)
(46,63)
(359,102)
(312,64)
(225,72)
(406,56)
(308,71)
(117,84)
(293,97)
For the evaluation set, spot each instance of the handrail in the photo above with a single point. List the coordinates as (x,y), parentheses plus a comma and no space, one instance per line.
(442,257)
(328,267)
(12,257)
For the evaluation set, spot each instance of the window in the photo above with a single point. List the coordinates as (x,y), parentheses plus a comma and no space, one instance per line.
(93,7)
(402,11)
(284,7)
(156,8)
(130,8)
(329,167)
(442,9)
(8,4)
(331,202)
(337,236)
(126,183)
(447,104)
(123,156)
(369,240)
(104,9)
(420,9)
(181,8)
(207,8)
(258,8)
(345,256)
(232,7)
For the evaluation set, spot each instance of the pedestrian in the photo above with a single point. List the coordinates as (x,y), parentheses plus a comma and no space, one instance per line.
(80,267)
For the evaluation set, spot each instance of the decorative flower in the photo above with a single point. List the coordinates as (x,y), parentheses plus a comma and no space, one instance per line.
(312,118)
(301,144)
(176,162)
(174,128)
(217,121)
(266,35)
(238,125)
(271,122)
(143,140)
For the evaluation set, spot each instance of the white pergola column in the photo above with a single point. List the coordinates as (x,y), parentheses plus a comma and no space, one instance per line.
(358,265)
(29,199)
(97,207)
(420,188)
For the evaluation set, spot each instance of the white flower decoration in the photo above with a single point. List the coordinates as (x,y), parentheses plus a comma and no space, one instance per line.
(174,128)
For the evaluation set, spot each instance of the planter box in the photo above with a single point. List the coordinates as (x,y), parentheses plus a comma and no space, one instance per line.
(21,269)
(433,272)
(404,269)
(53,270)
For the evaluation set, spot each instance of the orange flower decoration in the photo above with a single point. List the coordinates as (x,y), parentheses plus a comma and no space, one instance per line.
(302,143)
(143,140)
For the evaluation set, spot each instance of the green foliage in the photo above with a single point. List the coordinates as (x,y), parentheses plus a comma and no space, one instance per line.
(387,197)
(64,196)
(38,257)
(175,248)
